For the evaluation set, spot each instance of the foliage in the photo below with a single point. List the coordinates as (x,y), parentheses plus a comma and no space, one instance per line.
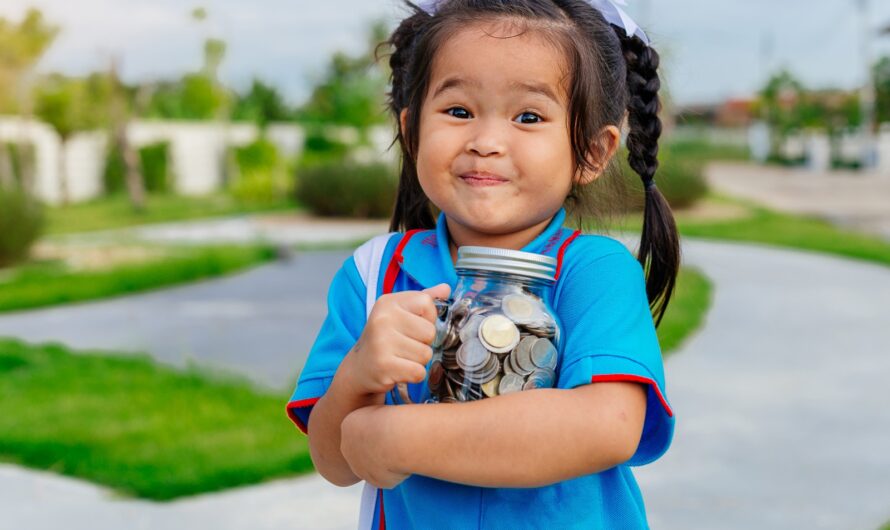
(40,285)
(21,46)
(262,104)
(352,90)
(195,97)
(153,166)
(348,189)
(74,104)
(139,427)
(21,223)
(680,178)
(261,175)
(881,74)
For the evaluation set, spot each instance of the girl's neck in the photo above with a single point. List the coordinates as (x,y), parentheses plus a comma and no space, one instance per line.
(458,237)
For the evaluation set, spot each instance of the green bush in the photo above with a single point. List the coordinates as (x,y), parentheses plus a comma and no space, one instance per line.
(21,223)
(680,179)
(348,189)
(153,161)
(153,165)
(260,173)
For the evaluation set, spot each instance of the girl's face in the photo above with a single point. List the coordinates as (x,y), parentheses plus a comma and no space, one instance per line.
(494,151)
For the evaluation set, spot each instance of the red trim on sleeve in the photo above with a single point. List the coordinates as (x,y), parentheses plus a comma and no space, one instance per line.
(392,271)
(562,250)
(303,403)
(636,379)
(382,516)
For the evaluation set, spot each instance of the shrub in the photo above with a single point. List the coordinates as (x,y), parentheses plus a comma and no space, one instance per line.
(260,176)
(679,178)
(21,222)
(153,165)
(153,161)
(348,189)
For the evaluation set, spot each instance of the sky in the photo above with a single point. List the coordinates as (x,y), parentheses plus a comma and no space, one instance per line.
(711,50)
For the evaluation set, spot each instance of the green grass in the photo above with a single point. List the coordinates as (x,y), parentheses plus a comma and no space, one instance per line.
(687,309)
(764,226)
(140,428)
(116,211)
(45,284)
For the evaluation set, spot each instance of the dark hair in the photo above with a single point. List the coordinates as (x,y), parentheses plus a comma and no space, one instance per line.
(611,74)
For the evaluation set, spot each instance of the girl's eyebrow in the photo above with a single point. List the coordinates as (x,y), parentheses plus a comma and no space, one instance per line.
(526,86)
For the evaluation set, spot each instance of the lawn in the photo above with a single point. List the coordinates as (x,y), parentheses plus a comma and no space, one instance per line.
(116,211)
(49,283)
(140,428)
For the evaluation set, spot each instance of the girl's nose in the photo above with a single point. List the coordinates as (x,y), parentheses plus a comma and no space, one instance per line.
(486,140)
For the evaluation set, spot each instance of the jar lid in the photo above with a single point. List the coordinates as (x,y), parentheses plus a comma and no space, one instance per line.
(526,264)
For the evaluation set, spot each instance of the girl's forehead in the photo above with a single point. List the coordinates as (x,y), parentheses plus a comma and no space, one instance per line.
(498,55)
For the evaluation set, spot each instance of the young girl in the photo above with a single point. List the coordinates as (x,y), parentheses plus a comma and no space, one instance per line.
(507,109)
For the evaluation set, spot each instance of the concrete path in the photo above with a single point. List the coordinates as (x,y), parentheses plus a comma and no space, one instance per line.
(850,198)
(781,401)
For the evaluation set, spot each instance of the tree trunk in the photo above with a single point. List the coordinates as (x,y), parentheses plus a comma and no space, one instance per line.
(7,177)
(135,182)
(63,172)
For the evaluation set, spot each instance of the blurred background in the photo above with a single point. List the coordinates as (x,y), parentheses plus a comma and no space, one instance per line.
(179,182)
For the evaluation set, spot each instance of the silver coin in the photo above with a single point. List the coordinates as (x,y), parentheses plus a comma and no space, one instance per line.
(508,364)
(543,354)
(470,327)
(522,361)
(520,308)
(472,355)
(510,383)
(545,376)
(498,333)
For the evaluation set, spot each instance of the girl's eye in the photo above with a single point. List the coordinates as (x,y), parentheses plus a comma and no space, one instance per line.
(459,109)
(530,114)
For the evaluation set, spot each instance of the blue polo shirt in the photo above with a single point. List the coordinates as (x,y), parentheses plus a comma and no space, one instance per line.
(608,335)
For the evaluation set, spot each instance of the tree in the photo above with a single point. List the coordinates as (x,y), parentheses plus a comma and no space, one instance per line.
(352,90)
(882,89)
(70,105)
(262,104)
(21,46)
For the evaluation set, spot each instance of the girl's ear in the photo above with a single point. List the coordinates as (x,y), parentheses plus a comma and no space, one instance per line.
(602,150)
(403,118)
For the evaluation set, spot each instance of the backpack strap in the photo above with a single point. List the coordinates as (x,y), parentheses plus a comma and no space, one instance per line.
(367,261)
(395,264)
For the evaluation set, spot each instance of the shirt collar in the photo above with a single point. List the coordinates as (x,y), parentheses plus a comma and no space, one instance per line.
(427,257)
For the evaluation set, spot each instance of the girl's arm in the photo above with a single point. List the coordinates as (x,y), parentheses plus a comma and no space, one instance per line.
(324,428)
(523,439)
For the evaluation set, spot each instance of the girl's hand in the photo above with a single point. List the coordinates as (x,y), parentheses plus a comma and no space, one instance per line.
(395,344)
(365,448)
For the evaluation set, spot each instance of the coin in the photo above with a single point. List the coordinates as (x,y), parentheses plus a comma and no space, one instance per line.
(519,308)
(490,388)
(437,374)
(470,328)
(543,354)
(498,333)
(522,360)
(510,383)
(472,355)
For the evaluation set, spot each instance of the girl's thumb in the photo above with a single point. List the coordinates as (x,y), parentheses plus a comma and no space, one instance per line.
(439,291)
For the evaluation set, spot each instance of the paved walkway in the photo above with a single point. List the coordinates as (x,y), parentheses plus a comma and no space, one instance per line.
(858,200)
(781,404)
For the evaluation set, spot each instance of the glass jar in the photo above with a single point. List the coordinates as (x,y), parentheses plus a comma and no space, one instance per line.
(498,333)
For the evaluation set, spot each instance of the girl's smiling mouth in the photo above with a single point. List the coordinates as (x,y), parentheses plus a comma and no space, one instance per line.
(482,178)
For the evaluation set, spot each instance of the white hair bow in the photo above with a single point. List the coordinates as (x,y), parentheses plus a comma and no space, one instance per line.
(609,8)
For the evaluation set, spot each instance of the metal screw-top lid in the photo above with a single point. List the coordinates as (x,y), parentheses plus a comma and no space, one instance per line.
(517,262)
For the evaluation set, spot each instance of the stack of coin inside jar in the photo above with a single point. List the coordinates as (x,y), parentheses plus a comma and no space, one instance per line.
(496,342)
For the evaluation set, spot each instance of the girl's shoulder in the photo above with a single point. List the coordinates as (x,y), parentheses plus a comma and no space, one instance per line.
(588,248)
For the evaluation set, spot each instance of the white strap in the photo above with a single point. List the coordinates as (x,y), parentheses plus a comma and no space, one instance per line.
(367,261)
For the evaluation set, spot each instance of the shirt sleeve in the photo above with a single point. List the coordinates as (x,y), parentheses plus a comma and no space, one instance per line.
(609,334)
(339,332)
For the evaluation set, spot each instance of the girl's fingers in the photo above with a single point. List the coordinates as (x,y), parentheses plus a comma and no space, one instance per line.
(416,327)
(412,350)
(419,303)
(405,371)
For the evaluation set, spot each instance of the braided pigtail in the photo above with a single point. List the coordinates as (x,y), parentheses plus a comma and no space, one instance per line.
(659,252)
(412,207)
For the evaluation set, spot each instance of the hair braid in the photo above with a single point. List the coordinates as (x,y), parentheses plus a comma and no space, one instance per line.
(659,252)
